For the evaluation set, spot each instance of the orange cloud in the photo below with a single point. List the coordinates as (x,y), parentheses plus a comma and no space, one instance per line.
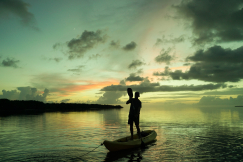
(88,85)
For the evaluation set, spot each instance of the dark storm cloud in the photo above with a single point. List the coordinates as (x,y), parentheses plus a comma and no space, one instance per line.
(10,62)
(88,40)
(165,57)
(133,77)
(20,9)
(147,86)
(217,20)
(215,65)
(163,40)
(130,46)
(25,93)
(135,64)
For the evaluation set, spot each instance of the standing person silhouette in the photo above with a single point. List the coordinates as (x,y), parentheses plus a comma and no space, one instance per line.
(134,111)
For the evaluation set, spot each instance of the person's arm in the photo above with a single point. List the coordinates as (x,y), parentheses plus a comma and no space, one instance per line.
(129,101)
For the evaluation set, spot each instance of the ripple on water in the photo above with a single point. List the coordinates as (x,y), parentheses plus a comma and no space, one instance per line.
(70,136)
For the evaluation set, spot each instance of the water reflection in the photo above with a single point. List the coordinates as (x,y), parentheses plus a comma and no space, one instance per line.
(221,143)
(135,154)
(190,134)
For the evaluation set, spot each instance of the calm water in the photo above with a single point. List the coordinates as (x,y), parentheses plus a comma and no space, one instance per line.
(187,134)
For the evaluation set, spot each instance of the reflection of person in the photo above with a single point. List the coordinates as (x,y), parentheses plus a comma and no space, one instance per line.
(134,111)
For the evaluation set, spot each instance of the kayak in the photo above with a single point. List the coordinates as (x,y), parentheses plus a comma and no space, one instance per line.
(126,142)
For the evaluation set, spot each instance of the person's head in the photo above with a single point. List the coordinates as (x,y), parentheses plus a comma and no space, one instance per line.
(129,92)
(137,94)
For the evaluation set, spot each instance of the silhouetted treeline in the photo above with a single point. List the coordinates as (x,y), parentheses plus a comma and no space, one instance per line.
(8,107)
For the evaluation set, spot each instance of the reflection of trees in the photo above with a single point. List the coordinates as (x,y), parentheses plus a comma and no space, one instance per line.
(221,143)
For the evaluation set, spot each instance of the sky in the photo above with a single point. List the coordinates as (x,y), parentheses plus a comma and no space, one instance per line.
(174,52)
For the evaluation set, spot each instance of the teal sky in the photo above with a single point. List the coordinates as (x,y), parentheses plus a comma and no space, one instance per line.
(171,51)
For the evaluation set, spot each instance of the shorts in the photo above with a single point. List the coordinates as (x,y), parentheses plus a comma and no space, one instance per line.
(132,119)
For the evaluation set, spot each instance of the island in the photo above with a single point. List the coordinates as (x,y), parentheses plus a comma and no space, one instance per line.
(9,107)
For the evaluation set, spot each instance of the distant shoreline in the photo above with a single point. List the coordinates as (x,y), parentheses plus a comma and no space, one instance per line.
(8,107)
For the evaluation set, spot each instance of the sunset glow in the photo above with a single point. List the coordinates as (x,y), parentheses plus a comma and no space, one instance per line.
(91,51)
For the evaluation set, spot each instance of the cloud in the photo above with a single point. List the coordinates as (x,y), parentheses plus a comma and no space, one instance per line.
(231,91)
(217,101)
(214,65)
(78,69)
(56,45)
(65,86)
(130,46)
(78,46)
(115,44)
(95,56)
(12,95)
(212,72)
(28,93)
(65,100)
(111,98)
(10,62)
(25,93)
(135,64)
(218,54)
(163,40)
(165,73)
(123,82)
(164,57)
(213,21)
(140,71)
(133,77)
(57,59)
(147,86)
(19,9)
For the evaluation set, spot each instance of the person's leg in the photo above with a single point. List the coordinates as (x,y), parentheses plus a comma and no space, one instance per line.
(138,130)
(137,126)
(131,130)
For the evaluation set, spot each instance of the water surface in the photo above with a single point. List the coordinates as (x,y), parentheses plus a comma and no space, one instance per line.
(186,134)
